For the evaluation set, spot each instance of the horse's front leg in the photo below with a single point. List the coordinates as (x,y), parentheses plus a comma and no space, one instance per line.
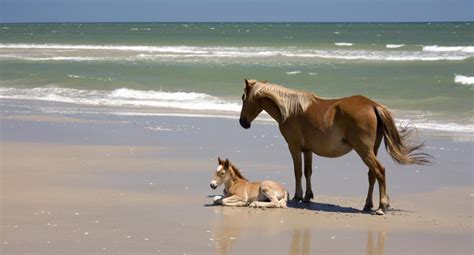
(234,201)
(296,155)
(308,170)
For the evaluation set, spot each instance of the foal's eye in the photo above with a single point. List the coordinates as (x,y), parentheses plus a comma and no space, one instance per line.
(243,97)
(221,173)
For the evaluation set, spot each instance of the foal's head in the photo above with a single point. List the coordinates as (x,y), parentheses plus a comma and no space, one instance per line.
(250,107)
(225,172)
(222,174)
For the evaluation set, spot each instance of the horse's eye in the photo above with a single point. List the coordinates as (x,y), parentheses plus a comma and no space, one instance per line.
(221,173)
(243,97)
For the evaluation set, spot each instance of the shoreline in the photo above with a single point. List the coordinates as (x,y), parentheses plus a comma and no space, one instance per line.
(39,110)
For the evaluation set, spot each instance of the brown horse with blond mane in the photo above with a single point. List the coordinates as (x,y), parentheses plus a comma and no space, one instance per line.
(331,128)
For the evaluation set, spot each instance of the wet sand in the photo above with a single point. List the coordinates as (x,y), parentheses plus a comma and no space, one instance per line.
(126,185)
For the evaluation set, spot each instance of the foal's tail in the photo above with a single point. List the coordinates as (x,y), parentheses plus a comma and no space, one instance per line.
(396,140)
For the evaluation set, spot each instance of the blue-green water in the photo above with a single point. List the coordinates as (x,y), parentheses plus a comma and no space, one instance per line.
(423,71)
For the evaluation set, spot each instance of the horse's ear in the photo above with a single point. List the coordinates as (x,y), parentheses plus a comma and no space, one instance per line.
(226,163)
(219,160)
(249,84)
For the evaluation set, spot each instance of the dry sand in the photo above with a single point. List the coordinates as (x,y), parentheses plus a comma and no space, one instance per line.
(76,197)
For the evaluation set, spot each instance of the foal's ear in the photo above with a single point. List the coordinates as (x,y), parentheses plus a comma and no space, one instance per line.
(226,163)
(219,160)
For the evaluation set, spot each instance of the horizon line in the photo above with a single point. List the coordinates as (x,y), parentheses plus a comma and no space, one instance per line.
(321,22)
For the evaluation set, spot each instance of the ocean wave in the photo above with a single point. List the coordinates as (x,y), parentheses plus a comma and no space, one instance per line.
(464,80)
(293,72)
(126,101)
(343,44)
(124,53)
(140,48)
(436,48)
(394,46)
(439,126)
(123,97)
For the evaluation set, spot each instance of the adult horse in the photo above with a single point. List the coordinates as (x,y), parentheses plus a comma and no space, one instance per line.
(331,128)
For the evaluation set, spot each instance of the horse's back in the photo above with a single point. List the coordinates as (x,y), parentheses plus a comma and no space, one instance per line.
(357,113)
(333,122)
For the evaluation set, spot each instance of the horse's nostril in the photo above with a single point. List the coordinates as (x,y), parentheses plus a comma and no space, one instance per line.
(213,186)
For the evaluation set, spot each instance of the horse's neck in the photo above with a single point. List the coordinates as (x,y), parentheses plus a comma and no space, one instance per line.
(282,103)
(272,109)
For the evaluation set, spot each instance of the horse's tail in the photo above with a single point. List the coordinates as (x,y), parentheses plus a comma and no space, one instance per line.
(396,140)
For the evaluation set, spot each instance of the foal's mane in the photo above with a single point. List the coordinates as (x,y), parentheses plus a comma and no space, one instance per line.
(289,101)
(237,172)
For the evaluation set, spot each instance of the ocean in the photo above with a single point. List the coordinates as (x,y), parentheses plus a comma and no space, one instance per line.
(424,72)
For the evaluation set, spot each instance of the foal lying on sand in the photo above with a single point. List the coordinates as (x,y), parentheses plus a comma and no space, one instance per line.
(239,191)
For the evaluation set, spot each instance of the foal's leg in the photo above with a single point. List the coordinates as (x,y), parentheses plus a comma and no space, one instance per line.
(266,193)
(371,175)
(234,201)
(308,170)
(296,155)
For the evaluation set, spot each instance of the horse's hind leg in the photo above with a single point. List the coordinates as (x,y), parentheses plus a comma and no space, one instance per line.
(371,176)
(308,170)
(266,193)
(378,170)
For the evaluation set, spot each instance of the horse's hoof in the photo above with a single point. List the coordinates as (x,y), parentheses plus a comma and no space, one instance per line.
(253,205)
(379,212)
(307,199)
(296,199)
(367,208)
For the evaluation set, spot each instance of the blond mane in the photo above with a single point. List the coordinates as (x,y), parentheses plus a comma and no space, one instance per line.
(288,101)
(237,172)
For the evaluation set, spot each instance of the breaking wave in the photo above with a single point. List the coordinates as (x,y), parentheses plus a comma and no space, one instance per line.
(65,52)
(123,97)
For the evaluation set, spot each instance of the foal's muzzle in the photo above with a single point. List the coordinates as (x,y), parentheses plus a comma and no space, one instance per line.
(244,123)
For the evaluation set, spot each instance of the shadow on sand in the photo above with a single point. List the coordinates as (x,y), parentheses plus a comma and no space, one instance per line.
(315,206)
(324,207)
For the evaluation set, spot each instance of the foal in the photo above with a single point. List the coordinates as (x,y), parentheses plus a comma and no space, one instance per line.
(239,191)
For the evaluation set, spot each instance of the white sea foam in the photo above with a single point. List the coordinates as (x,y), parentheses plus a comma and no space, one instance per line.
(436,48)
(75,76)
(121,53)
(124,98)
(394,46)
(293,72)
(125,101)
(464,80)
(343,44)
(439,126)
(141,48)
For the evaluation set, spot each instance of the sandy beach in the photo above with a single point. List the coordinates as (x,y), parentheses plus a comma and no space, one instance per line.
(140,185)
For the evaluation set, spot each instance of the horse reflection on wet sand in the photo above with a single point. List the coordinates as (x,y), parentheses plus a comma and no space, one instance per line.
(240,230)
(331,128)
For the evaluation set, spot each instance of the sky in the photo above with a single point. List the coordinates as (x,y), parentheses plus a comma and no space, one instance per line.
(12,11)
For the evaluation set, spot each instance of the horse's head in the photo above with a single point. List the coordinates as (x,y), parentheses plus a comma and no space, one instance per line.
(222,173)
(250,107)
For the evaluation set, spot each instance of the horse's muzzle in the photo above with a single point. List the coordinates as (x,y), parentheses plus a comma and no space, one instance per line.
(213,185)
(244,123)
